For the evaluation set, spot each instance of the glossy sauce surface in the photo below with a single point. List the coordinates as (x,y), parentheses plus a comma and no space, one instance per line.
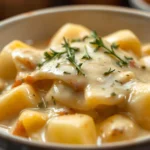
(103,94)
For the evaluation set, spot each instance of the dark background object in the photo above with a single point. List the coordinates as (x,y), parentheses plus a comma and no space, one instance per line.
(10,8)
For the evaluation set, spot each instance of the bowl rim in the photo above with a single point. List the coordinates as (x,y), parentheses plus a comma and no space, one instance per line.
(140,4)
(72,8)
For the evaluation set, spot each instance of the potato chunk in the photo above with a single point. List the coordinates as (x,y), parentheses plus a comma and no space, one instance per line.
(146,49)
(7,66)
(145,61)
(69,31)
(71,129)
(17,99)
(139,104)
(30,121)
(19,130)
(117,128)
(126,40)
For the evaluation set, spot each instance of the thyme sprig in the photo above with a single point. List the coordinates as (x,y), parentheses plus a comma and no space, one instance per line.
(99,43)
(43,104)
(79,39)
(69,51)
(86,55)
(71,56)
(51,55)
(109,72)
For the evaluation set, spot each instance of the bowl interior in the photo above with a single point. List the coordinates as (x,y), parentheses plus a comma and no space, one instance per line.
(43,24)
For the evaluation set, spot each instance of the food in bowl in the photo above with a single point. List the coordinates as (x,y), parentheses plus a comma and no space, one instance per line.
(81,89)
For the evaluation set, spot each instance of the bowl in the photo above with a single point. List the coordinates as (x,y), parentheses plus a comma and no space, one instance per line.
(140,4)
(42,24)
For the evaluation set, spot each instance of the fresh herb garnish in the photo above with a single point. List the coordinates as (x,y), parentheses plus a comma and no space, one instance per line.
(85,37)
(118,81)
(143,67)
(114,45)
(109,72)
(113,94)
(57,65)
(76,40)
(79,39)
(43,104)
(51,55)
(53,99)
(69,51)
(99,43)
(128,58)
(71,56)
(86,55)
(65,72)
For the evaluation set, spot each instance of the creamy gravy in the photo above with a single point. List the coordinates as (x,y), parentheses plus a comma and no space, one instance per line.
(106,97)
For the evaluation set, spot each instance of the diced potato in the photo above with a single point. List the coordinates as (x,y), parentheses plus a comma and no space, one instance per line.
(31,121)
(71,129)
(19,130)
(7,67)
(126,40)
(117,128)
(16,44)
(145,61)
(146,49)
(139,104)
(12,102)
(69,31)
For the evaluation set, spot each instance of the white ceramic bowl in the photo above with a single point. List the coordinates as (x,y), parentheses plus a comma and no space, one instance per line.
(43,24)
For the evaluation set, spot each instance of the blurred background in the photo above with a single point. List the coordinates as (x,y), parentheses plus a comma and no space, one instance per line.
(10,8)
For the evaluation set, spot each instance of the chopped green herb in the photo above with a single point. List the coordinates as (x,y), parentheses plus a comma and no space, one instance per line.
(79,39)
(65,72)
(114,46)
(85,37)
(113,94)
(51,55)
(118,81)
(143,67)
(43,104)
(86,55)
(71,56)
(99,43)
(53,99)
(76,40)
(128,58)
(109,72)
(57,65)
